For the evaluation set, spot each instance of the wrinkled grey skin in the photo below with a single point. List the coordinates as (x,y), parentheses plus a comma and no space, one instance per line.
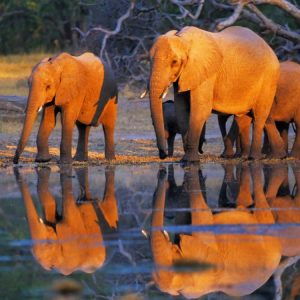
(171,127)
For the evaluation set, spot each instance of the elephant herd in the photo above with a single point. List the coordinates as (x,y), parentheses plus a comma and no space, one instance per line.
(197,246)
(232,72)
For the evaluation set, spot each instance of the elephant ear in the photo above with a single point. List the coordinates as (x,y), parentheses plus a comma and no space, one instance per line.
(70,81)
(204,58)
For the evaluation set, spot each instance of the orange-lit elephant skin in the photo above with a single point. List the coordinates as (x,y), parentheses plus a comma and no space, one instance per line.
(231,72)
(226,261)
(84,90)
(74,240)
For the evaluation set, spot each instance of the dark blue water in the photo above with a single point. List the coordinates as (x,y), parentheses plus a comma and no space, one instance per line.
(150,232)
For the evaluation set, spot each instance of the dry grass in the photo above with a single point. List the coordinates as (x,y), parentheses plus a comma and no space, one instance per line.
(14,71)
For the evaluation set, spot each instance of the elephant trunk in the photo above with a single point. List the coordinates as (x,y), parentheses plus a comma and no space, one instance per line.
(33,105)
(157,89)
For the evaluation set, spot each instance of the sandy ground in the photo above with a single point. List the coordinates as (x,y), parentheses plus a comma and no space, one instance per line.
(134,137)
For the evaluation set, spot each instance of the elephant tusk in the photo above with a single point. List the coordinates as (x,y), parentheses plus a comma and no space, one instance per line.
(143,94)
(145,234)
(41,220)
(40,109)
(166,234)
(164,94)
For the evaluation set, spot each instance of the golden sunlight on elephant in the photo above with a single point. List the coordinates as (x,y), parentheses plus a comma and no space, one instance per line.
(73,240)
(83,89)
(234,262)
(229,72)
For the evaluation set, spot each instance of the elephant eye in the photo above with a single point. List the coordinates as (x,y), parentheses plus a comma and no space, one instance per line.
(174,62)
(47,87)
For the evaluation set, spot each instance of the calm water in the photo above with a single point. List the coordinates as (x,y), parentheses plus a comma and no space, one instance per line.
(150,232)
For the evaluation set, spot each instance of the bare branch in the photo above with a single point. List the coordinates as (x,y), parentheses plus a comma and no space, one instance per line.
(283,4)
(233,18)
(269,24)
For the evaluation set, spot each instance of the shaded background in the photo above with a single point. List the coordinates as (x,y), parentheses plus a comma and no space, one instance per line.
(122,31)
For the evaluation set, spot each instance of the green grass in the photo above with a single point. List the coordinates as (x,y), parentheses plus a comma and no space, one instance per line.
(15,70)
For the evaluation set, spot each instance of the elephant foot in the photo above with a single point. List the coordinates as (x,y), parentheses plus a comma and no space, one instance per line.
(277,155)
(110,157)
(16,160)
(162,154)
(190,157)
(295,154)
(78,157)
(255,156)
(227,155)
(42,158)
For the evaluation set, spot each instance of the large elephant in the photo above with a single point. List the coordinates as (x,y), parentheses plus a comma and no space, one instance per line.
(205,260)
(84,90)
(172,128)
(72,240)
(230,72)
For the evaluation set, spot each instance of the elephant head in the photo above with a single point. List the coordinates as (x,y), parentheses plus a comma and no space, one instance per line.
(53,81)
(188,57)
(72,241)
(210,261)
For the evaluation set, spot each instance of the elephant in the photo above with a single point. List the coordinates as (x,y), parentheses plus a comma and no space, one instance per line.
(285,110)
(83,89)
(231,72)
(172,128)
(72,240)
(205,260)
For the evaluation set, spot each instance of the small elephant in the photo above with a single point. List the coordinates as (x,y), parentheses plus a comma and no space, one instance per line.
(84,91)
(231,72)
(172,128)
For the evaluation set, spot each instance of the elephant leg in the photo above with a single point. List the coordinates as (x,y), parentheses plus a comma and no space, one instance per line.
(47,125)
(228,143)
(244,123)
(231,138)
(68,122)
(108,120)
(201,107)
(296,147)
(170,140)
(202,139)
(266,149)
(182,108)
(82,144)
(283,129)
(261,113)
(276,142)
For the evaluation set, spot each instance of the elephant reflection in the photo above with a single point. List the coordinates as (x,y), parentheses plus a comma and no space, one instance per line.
(234,263)
(73,240)
(285,206)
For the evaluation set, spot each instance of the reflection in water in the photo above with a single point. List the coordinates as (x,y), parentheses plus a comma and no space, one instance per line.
(236,264)
(73,240)
(230,229)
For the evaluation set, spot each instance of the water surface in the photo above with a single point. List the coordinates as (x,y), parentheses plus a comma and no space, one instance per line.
(150,232)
